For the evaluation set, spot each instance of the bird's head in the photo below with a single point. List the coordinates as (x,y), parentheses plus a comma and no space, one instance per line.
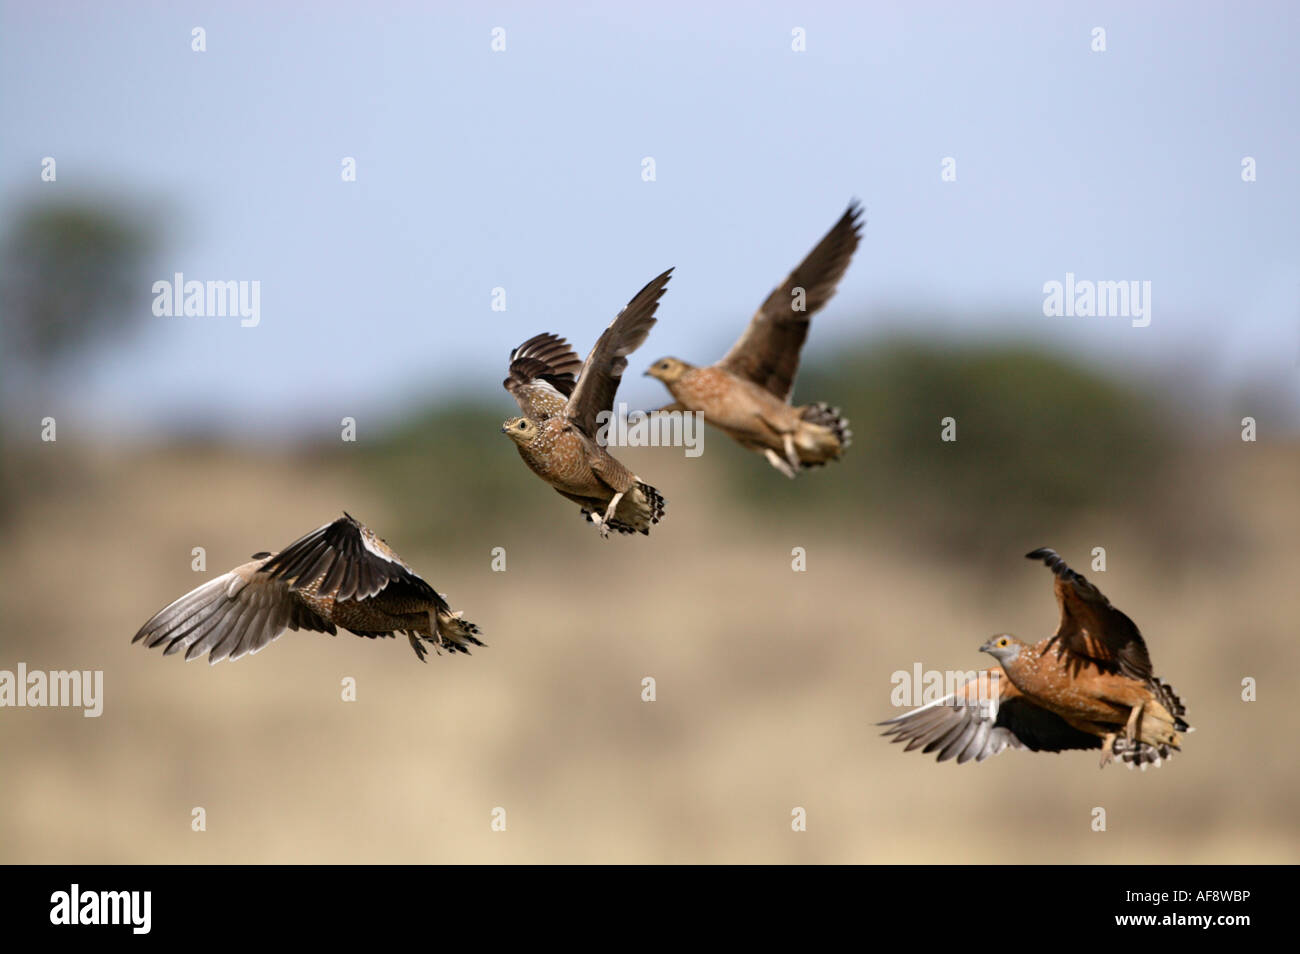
(1003,648)
(519,429)
(668,370)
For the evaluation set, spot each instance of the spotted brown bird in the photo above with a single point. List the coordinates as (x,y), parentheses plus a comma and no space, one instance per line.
(1088,686)
(747,394)
(340,574)
(560,435)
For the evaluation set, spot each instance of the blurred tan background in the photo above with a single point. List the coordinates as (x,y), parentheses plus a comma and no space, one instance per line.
(768,681)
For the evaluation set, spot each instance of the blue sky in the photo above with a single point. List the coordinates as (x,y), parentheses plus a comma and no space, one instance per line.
(522,169)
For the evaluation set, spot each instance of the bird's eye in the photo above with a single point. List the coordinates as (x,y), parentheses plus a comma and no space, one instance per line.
(521,425)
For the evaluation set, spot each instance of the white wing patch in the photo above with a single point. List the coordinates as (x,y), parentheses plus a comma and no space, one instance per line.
(368,541)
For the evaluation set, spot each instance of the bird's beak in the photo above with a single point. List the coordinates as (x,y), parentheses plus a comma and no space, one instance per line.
(987,647)
(504,431)
(646,374)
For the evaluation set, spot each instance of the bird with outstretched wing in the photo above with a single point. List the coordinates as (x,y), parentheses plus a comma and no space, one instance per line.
(558,434)
(339,575)
(747,394)
(1088,686)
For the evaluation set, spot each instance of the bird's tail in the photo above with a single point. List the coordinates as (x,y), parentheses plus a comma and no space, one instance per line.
(457,633)
(1162,728)
(825,437)
(1169,699)
(637,512)
(654,500)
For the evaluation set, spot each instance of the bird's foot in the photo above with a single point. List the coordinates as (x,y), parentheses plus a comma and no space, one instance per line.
(609,515)
(779,462)
(791,455)
(1107,750)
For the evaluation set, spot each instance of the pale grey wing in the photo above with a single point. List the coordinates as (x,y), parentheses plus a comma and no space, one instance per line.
(604,367)
(768,352)
(955,730)
(542,374)
(965,727)
(346,562)
(237,613)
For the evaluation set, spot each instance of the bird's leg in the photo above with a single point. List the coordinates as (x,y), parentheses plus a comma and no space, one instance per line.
(790,453)
(1134,723)
(777,461)
(1107,749)
(596,520)
(609,513)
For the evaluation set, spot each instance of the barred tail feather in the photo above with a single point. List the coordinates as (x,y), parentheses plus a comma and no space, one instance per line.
(615,524)
(457,633)
(639,510)
(815,445)
(1169,699)
(656,501)
(1143,753)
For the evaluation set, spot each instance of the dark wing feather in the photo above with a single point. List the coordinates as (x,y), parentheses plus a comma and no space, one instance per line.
(350,562)
(768,352)
(601,372)
(961,726)
(1039,730)
(1091,629)
(542,374)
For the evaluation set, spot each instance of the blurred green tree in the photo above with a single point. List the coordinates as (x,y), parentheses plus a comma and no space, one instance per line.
(1040,441)
(68,272)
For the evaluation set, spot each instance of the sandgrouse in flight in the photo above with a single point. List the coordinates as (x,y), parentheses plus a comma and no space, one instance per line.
(557,436)
(1088,686)
(338,575)
(747,394)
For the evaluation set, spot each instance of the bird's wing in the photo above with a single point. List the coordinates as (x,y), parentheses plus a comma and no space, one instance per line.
(598,380)
(982,718)
(542,374)
(347,562)
(768,352)
(1091,629)
(607,468)
(238,612)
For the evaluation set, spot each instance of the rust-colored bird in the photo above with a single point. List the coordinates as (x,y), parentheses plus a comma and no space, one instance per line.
(747,394)
(1088,686)
(338,575)
(558,435)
